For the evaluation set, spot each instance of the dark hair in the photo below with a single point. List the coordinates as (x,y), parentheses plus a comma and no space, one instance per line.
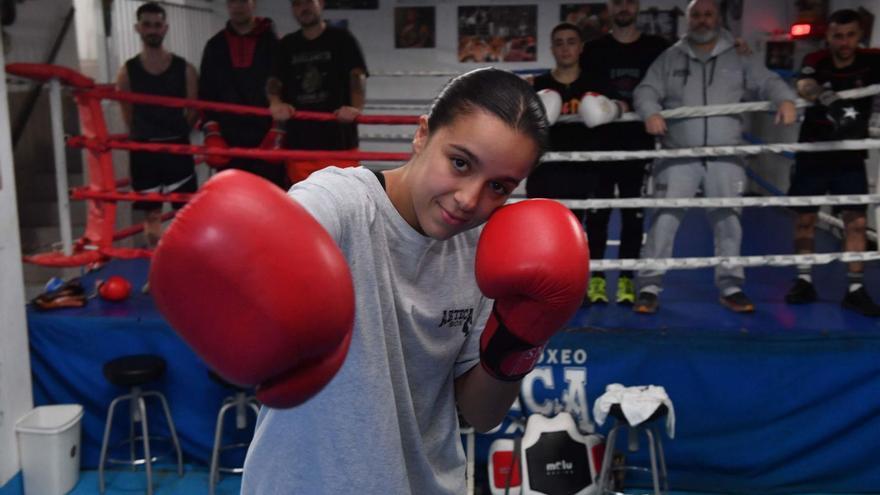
(150,8)
(498,92)
(845,16)
(567,26)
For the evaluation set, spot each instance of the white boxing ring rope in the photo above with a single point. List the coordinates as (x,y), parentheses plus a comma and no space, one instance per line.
(785,201)
(673,113)
(707,151)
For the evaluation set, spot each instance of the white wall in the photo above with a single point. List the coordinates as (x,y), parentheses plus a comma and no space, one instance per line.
(15,374)
(36,26)
(375,31)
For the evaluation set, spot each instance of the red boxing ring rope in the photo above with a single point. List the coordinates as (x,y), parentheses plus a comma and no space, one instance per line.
(101,194)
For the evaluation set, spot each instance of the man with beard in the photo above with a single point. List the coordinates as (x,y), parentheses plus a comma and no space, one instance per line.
(159,72)
(614,64)
(318,68)
(703,68)
(235,67)
(843,65)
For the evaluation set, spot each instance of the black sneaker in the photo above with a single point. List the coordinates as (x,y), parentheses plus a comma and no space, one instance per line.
(860,301)
(802,292)
(647,303)
(737,302)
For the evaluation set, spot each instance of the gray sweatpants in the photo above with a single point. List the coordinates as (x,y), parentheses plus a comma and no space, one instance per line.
(682,178)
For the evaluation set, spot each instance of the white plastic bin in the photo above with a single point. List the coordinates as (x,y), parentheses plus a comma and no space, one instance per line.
(48,445)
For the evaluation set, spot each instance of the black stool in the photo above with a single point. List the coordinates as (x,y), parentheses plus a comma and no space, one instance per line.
(242,401)
(133,372)
(655,450)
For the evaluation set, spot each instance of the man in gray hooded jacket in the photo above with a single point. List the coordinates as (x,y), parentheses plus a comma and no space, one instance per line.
(703,68)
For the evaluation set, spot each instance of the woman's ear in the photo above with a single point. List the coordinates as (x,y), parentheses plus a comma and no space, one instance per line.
(420,139)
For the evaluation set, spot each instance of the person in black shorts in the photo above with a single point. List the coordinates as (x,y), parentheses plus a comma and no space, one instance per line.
(158,72)
(615,64)
(843,65)
(564,180)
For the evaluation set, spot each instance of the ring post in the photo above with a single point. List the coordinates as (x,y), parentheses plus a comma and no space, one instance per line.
(58,149)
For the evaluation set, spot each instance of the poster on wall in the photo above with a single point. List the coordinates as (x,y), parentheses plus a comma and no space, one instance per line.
(780,55)
(867,25)
(414,27)
(591,18)
(731,15)
(339,23)
(497,33)
(811,11)
(351,4)
(659,22)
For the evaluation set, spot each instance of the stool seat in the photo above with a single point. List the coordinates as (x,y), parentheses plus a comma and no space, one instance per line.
(134,370)
(617,413)
(222,381)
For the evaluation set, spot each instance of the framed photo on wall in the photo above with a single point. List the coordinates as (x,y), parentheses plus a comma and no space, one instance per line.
(497,33)
(779,55)
(591,18)
(659,22)
(351,4)
(867,25)
(813,11)
(414,27)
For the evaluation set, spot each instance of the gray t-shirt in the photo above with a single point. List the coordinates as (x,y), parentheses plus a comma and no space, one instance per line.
(387,423)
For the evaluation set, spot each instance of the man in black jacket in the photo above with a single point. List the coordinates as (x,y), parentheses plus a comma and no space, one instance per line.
(236,63)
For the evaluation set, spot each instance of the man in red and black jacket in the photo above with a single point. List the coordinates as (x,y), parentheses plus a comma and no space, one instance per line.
(841,66)
(236,63)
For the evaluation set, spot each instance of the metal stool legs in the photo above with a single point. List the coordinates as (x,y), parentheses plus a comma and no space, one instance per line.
(242,403)
(137,414)
(659,476)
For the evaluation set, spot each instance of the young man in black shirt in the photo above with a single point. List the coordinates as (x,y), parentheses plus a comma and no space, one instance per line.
(318,68)
(615,64)
(564,180)
(843,65)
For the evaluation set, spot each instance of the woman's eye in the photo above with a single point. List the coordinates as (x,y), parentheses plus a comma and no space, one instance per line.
(459,164)
(498,188)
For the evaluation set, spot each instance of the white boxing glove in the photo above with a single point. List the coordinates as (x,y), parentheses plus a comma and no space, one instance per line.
(596,109)
(552,104)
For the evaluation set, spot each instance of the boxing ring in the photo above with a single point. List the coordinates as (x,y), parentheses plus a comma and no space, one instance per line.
(782,400)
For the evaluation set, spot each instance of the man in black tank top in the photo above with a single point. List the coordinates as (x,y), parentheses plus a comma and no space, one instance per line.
(157,71)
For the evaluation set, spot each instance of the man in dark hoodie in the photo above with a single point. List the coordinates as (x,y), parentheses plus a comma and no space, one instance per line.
(235,67)
(703,68)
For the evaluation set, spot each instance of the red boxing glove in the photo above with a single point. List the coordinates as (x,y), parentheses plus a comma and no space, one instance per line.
(115,288)
(274,140)
(533,259)
(256,287)
(214,139)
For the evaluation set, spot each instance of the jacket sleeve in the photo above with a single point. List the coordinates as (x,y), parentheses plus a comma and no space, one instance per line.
(208,80)
(652,90)
(766,84)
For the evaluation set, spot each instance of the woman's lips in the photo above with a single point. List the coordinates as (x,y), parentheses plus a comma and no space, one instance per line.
(451,219)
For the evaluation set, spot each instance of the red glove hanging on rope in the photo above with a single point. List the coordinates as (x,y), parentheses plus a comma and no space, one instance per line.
(214,139)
